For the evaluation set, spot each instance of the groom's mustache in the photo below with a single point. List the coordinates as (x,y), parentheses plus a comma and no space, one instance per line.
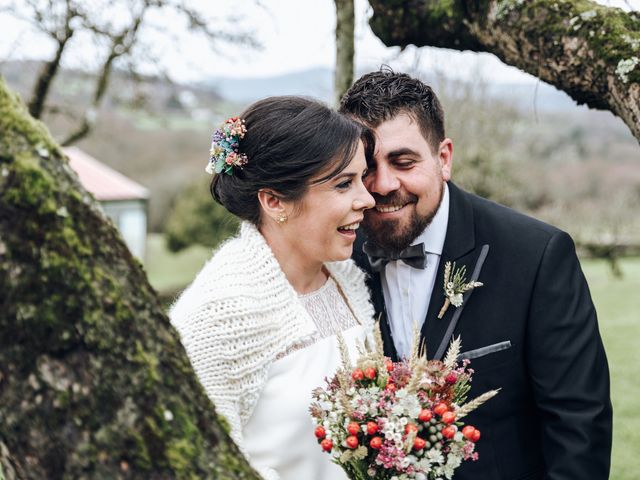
(394,198)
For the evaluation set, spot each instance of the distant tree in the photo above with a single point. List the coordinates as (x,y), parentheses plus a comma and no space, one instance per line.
(197,219)
(345,48)
(590,51)
(94,382)
(119,31)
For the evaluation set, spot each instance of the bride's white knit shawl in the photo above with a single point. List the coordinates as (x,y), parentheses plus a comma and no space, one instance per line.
(240,313)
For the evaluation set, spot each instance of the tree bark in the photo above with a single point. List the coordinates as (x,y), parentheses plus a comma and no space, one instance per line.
(94,382)
(590,51)
(345,49)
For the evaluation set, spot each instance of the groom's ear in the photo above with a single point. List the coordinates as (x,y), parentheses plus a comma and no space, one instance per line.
(445,155)
(272,203)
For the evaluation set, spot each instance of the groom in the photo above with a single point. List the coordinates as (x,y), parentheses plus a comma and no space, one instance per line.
(530,329)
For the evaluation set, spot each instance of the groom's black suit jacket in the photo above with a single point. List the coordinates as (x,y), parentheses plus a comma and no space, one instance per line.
(552,417)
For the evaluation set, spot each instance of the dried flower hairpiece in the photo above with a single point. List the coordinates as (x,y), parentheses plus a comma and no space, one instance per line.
(224,154)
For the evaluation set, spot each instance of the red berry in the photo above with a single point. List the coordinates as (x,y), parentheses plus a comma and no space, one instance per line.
(440,408)
(449,431)
(376,443)
(410,427)
(425,415)
(326,445)
(320,432)
(352,441)
(448,417)
(451,378)
(391,387)
(353,428)
(468,432)
(476,436)
(370,373)
(372,428)
(357,374)
(419,443)
(389,365)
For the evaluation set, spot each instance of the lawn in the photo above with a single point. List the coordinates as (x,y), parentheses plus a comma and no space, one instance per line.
(617,302)
(618,306)
(170,272)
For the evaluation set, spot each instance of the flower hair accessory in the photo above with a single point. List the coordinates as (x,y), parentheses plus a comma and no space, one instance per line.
(224,154)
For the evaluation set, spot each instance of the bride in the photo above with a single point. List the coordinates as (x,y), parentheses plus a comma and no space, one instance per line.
(259,322)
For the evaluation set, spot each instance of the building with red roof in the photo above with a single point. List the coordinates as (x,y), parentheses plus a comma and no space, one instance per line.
(123,200)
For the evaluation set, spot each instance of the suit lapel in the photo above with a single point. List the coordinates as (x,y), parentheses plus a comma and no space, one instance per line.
(459,245)
(374,283)
(381,311)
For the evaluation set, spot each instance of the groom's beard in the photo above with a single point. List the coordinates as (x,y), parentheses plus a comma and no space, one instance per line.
(395,235)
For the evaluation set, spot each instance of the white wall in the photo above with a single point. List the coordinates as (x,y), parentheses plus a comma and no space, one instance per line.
(131,219)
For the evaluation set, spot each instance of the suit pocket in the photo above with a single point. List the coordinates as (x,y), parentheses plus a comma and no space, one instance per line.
(481,352)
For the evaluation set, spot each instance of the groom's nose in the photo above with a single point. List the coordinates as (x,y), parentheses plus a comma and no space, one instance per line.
(382,180)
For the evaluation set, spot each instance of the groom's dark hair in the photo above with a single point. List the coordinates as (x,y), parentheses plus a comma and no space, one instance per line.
(379,96)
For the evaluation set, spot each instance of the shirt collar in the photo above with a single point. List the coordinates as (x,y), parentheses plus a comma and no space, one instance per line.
(433,236)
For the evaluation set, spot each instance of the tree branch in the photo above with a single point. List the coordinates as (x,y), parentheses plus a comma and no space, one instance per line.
(49,70)
(121,44)
(590,51)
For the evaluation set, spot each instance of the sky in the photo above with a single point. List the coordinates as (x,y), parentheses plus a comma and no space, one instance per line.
(295,35)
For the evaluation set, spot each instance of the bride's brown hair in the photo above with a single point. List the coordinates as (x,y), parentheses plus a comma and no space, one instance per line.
(289,141)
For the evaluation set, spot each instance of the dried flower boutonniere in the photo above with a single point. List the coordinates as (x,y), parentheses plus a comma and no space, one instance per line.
(455,286)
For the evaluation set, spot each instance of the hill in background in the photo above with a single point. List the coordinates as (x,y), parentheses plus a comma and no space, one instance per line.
(529,146)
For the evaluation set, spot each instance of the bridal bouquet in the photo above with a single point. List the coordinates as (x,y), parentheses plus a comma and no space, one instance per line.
(384,420)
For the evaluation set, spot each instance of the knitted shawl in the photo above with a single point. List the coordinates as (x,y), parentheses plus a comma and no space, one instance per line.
(240,313)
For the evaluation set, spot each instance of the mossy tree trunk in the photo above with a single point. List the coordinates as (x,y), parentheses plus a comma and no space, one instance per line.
(590,51)
(94,382)
(345,48)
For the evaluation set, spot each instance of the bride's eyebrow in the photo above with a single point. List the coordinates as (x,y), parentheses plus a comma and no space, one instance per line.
(342,175)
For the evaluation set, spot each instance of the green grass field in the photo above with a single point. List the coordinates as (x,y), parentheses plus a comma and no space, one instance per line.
(617,302)
(618,306)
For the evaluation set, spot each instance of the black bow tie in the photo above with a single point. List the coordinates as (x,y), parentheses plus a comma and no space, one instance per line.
(414,256)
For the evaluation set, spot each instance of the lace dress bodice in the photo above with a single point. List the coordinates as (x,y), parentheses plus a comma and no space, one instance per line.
(328,309)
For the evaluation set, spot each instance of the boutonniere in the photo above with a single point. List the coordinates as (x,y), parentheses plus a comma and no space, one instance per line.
(455,285)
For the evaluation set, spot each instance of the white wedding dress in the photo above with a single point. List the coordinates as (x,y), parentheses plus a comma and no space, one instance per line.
(279,436)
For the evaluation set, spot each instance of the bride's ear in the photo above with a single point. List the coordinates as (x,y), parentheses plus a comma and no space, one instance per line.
(272,205)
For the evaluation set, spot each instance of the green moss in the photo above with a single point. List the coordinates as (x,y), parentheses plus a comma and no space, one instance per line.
(150,363)
(31,186)
(610,33)
(181,454)
(18,130)
(139,454)
(224,423)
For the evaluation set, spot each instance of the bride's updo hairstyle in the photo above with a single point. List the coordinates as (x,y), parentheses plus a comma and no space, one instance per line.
(289,140)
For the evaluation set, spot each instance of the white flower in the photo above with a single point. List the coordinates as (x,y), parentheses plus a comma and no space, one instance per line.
(453,462)
(435,456)
(456,299)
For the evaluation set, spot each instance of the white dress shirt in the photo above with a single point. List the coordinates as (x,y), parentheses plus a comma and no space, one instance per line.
(407,290)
